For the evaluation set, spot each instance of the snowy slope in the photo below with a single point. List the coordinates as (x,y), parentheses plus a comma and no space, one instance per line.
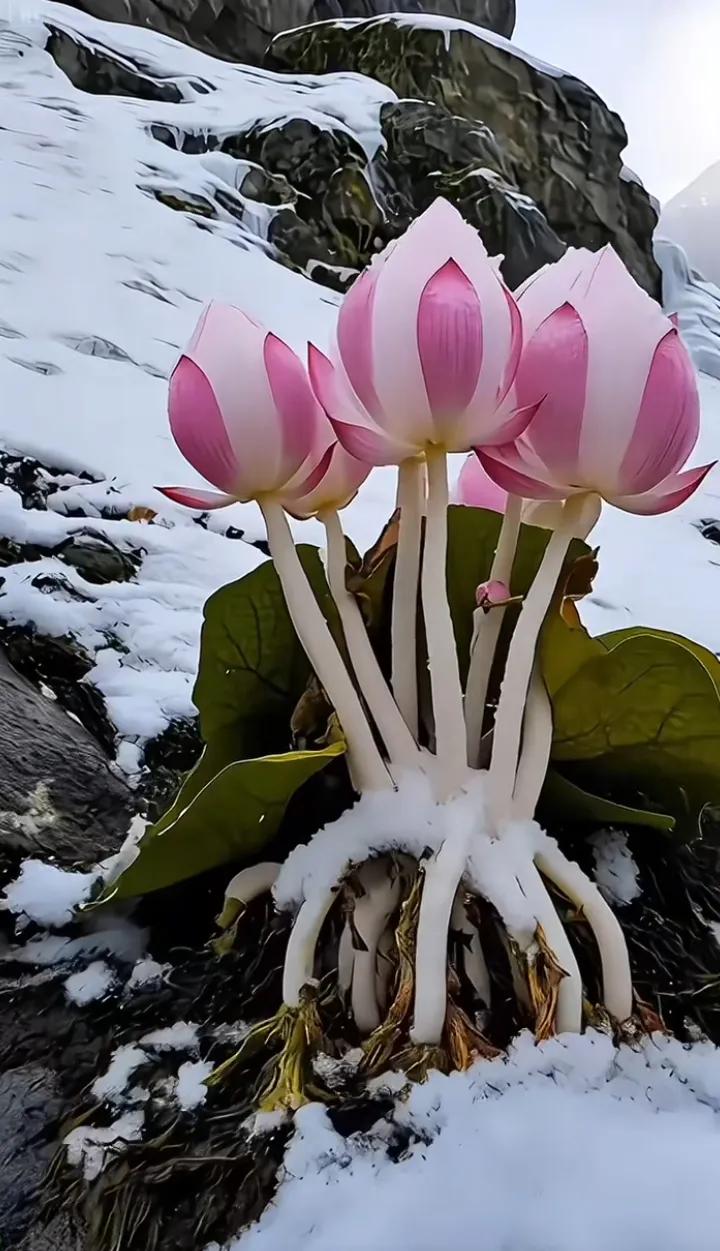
(100,285)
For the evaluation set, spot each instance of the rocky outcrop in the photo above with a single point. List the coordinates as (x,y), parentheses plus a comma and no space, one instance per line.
(240,30)
(691,219)
(695,301)
(555,142)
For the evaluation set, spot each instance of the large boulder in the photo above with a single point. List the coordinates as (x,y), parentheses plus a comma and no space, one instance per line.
(560,145)
(240,30)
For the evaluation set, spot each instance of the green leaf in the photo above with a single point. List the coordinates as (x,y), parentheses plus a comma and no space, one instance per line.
(644,719)
(564,649)
(706,657)
(566,801)
(232,817)
(473,535)
(252,667)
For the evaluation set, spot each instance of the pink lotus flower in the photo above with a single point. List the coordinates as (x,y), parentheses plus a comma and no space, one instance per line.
(242,411)
(428,343)
(621,409)
(476,489)
(332,486)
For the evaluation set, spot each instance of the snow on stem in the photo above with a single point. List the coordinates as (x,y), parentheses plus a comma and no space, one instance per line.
(487,631)
(447,699)
(365,761)
(405,591)
(521,654)
(401,746)
(577,887)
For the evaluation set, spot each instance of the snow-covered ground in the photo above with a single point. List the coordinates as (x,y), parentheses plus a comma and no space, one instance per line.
(572,1146)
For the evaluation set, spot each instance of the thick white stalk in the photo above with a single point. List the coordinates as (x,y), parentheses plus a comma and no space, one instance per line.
(401,746)
(487,631)
(473,956)
(570,993)
(521,656)
(299,968)
(577,887)
(346,960)
(447,699)
(536,748)
(252,882)
(372,913)
(411,484)
(385,967)
(442,879)
(312,629)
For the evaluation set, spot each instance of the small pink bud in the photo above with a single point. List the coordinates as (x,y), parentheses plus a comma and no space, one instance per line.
(494,595)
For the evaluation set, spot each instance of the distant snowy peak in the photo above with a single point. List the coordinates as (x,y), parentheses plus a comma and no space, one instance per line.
(696,303)
(692,219)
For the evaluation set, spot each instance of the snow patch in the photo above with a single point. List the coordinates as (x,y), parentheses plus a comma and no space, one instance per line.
(89,984)
(191,1090)
(616,873)
(182,1036)
(147,975)
(46,894)
(125,1060)
(92,1149)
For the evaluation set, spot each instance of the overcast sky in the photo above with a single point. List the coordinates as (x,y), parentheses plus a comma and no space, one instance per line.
(657,62)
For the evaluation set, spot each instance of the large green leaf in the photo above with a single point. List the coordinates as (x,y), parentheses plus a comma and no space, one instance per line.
(472,539)
(643,718)
(252,667)
(706,657)
(565,800)
(232,817)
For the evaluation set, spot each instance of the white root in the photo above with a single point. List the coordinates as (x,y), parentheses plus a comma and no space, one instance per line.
(312,629)
(570,992)
(401,746)
(299,970)
(385,968)
(346,960)
(372,913)
(447,698)
(405,592)
(577,887)
(442,879)
(473,956)
(487,631)
(521,656)
(256,880)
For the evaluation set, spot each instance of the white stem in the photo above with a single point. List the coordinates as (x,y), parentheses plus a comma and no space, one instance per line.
(299,967)
(473,956)
(346,960)
(487,631)
(521,656)
(372,913)
(442,878)
(256,880)
(314,634)
(447,699)
(405,592)
(536,748)
(401,746)
(570,994)
(577,887)
(384,970)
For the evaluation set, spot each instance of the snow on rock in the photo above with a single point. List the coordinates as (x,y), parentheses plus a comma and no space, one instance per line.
(695,300)
(92,1148)
(191,1090)
(47,894)
(147,975)
(570,1144)
(616,872)
(113,1084)
(91,983)
(182,1036)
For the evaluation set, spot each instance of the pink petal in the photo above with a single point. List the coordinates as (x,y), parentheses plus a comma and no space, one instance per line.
(355,342)
(354,430)
(296,405)
(450,341)
(670,494)
(506,429)
(335,488)
(198,428)
(371,446)
(313,479)
(476,490)
(199,500)
(668,423)
(516,346)
(516,479)
(554,366)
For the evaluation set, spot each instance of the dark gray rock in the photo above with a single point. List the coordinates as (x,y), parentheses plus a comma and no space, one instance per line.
(240,30)
(29,1106)
(59,797)
(561,145)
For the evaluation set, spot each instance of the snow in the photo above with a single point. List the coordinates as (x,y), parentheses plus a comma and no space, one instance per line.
(113,1083)
(182,1036)
(191,1090)
(46,894)
(567,1145)
(93,1148)
(696,302)
(616,872)
(89,984)
(147,975)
